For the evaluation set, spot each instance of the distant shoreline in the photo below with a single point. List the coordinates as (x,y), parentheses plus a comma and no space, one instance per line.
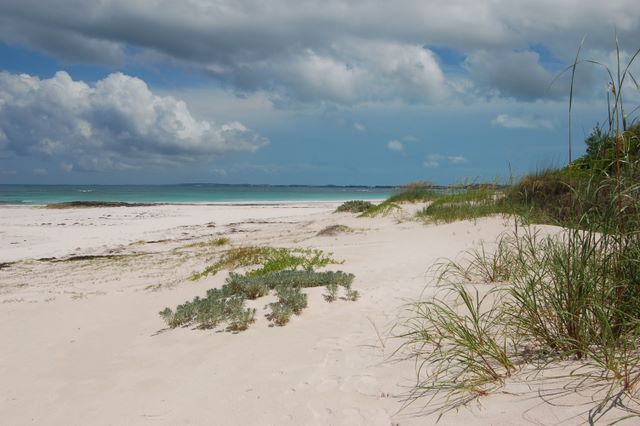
(108,204)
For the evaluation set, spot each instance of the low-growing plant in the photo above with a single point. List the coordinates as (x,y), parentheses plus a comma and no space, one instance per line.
(217,307)
(216,242)
(383,209)
(332,230)
(292,278)
(292,297)
(226,305)
(241,319)
(281,259)
(352,295)
(220,241)
(251,289)
(354,206)
(233,258)
(280,313)
(332,292)
(270,260)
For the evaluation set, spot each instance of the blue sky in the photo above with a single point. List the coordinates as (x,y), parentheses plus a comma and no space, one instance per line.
(298,92)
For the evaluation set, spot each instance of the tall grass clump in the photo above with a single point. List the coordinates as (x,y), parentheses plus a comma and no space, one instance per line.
(385,208)
(460,347)
(415,192)
(410,193)
(465,204)
(573,299)
(482,264)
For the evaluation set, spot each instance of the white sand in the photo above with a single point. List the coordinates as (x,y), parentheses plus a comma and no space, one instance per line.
(82,343)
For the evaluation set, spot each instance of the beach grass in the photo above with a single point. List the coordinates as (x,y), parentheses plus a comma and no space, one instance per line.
(571,299)
(215,242)
(269,259)
(354,206)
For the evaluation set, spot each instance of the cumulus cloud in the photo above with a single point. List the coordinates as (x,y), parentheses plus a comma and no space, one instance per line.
(513,74)
(433,161)
(347,52)
(395,145)
(117,123)
(521,122)
(352,73)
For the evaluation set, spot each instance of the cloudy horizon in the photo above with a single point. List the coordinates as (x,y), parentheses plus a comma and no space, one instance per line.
(305,92)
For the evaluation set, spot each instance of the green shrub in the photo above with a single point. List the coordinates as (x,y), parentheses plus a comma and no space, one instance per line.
(280,313)
(332,292)
(226,305)
(251,289)
(241,319)
(352,295)
(354,206)
(208,312)
(291,278)
(292,297)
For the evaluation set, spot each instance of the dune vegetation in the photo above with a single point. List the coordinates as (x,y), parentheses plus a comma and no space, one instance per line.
(567,302)
(283,270)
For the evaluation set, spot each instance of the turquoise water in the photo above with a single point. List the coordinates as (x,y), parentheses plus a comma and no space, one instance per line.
(187,193)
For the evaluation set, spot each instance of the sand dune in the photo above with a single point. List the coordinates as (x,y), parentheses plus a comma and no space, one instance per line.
(82,342)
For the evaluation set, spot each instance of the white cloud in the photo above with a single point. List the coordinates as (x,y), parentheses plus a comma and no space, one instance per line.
(433,161)
(116,124)
(521,122)
(395,145)
(457,159)
(353,73)
(341,51)
(359,127)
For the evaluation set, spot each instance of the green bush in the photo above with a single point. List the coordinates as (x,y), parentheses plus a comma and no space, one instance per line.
(292,297)
(354,206)
(332,292)
(280,313)
(216,308)
(251,289)
(296,279)
(226,305)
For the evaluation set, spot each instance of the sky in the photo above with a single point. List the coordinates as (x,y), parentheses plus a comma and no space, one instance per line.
(302,92)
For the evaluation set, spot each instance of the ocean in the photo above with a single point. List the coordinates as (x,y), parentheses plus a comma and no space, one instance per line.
(186,193)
